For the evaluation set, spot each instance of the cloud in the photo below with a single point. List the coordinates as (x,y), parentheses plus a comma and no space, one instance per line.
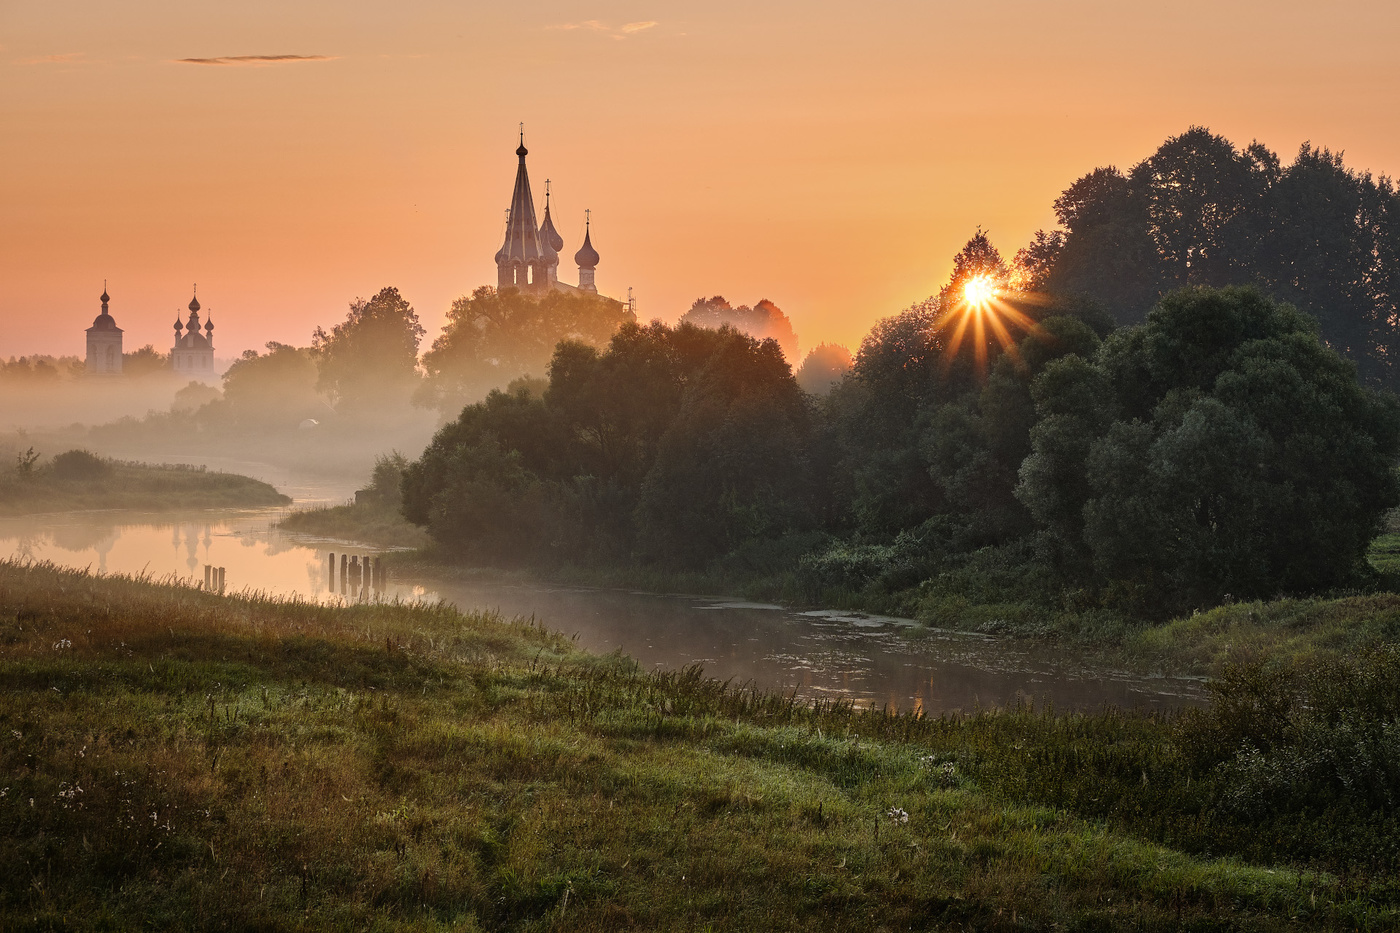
(256,59)
(622,32)
(65,58)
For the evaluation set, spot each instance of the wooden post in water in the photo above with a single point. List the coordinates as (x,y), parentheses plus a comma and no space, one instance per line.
(344,565)
(207,568)
(330,575)
(379,574)
(221,581)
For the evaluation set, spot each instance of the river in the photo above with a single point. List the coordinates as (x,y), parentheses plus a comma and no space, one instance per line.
(869,659)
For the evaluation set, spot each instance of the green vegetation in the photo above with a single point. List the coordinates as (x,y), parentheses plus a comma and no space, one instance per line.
(1078,482)
(77,480)
(375,517)
(175,759)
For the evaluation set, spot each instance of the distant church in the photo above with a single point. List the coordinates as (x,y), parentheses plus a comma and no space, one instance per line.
(104,343)
(529,259)
(193,352)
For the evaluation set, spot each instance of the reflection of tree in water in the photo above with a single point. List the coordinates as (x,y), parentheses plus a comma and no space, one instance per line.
(83,536)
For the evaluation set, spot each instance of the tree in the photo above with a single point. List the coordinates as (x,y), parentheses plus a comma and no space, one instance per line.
(492,337)
(370,360)
(1218,448)
(763,321)
(823,368)
(145,361)
(671,445)
(1198,211)
(276,388)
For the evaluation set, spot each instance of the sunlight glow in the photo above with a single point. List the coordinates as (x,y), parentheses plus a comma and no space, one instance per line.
(983,307)
(979,291)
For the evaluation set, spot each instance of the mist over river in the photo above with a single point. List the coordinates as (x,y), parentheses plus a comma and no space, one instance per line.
(817,653)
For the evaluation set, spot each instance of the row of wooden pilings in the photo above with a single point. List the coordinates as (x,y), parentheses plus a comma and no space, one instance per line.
(213,579)
(358,578)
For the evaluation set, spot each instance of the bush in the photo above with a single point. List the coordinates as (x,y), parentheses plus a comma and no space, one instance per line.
(80,465)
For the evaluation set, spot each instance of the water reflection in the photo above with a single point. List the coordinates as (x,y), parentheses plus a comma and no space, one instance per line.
(871,659)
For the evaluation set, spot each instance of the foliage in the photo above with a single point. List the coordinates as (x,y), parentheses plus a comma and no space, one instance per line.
(80,465)
(1218,448)
(145,361)
(196,395)
(370,360)
(672,445)
(823,367)
(763,321)
(196,761)
(1199,212)
(494,337)
(24,463)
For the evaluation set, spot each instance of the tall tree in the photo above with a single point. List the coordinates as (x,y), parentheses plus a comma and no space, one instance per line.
(370,360)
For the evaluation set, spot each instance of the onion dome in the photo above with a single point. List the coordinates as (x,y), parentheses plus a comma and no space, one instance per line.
(209,324)
(178,326)
(587,256)
(104,320)
(194,304)
(548,235)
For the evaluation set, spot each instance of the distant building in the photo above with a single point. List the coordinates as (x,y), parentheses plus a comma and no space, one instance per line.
(193,353)
(529,258)
(104,344)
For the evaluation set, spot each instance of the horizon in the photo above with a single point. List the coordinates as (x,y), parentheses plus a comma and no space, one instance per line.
(291,162)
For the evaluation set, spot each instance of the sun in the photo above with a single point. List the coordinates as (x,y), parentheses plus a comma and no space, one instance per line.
(979,291)
(988,315)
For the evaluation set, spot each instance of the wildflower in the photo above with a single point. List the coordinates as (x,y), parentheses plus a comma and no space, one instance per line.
(16,733)
(61,644)
(898,815)
(4,792)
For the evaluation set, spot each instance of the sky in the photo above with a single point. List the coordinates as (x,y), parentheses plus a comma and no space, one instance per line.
(832,157)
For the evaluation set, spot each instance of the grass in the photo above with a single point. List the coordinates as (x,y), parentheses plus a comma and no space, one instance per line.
(136,486)
(370,523)
(175,759)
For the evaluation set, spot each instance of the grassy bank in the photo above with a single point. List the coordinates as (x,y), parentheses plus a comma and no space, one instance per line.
(368,523)
(106,484)
(175,759)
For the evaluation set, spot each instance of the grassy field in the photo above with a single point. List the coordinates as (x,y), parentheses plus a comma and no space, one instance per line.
(173,759)
(138,486)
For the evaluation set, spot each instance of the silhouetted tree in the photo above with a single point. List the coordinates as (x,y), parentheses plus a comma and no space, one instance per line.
(823,368)
(763,321)
(370,360)
(492,337)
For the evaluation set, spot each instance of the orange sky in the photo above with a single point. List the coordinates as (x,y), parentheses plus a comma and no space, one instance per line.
(829,156)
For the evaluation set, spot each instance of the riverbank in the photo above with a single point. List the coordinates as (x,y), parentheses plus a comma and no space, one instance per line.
(192,760)
(94,483)
(370,524)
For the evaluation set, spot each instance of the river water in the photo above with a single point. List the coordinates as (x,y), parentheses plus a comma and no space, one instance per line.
(819,654)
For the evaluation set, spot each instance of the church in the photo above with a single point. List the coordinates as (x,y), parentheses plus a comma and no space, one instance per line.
(529,258)
(193,353)
(104,343)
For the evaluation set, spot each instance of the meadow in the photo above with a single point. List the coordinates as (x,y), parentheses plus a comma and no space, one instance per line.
(174,759)
(76,480)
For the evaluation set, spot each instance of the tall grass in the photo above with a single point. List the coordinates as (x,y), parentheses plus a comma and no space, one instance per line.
(171,758)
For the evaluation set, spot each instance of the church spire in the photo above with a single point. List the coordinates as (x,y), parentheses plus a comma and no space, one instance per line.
(523,260)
